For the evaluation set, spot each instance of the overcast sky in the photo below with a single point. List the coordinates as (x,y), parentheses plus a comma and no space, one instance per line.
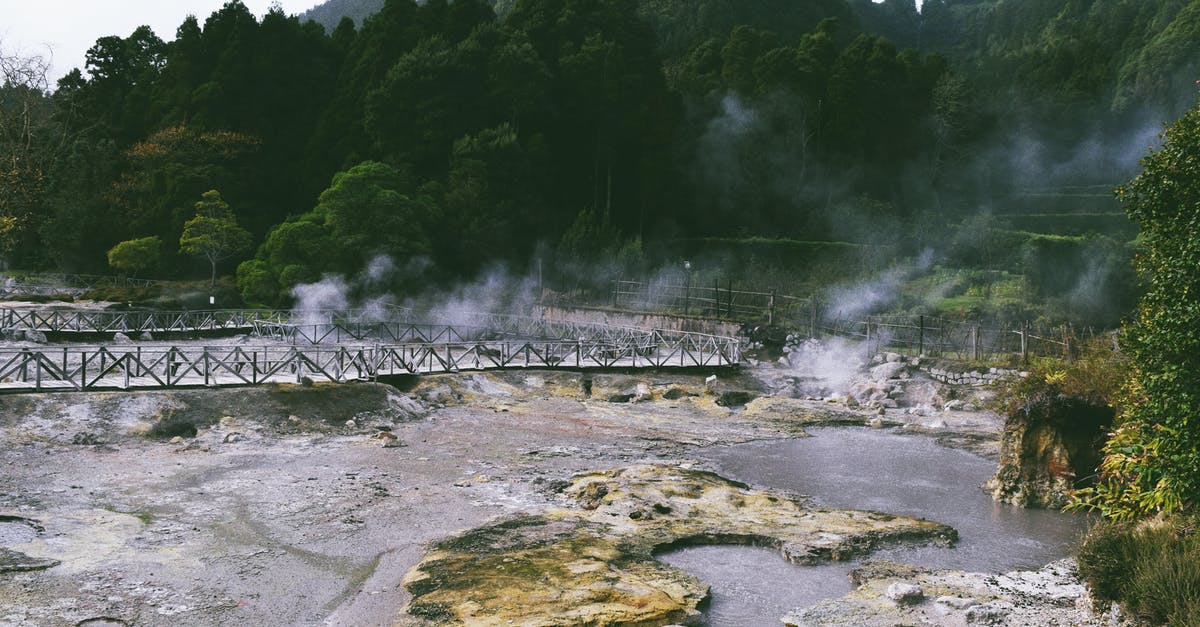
(67,28)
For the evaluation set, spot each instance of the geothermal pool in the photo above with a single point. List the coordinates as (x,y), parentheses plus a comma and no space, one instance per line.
(860,468)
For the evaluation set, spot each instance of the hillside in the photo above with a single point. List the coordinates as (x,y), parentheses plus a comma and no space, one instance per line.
(329,13)
(605,138)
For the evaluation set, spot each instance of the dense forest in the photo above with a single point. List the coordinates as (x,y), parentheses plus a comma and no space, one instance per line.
(602,137)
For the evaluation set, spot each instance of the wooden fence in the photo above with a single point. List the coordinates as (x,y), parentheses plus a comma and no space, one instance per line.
(132,367)
(718,300)
(974,341)
(35,282)
(67,321)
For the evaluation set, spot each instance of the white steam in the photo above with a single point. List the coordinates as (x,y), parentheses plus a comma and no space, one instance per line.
(850,302)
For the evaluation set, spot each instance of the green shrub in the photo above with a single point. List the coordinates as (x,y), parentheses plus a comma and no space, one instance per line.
(1166,579)
(1106,559)
(1152,568)
(1095,375)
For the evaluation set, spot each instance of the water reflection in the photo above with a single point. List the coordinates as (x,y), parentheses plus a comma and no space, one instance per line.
(857,468)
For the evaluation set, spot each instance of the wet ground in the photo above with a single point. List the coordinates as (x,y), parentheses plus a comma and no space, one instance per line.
(287,508)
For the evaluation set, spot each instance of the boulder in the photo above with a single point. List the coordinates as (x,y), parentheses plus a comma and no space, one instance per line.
(1048,445)
(888,370)
(905,593)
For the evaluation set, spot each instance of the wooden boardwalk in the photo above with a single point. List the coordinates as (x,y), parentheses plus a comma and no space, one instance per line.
(329,346)
(148,366)
(66,321)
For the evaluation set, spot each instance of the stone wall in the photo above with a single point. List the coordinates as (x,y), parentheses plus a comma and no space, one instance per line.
(971,377)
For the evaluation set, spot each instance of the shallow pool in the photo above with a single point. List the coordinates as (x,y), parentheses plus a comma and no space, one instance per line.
(859,468)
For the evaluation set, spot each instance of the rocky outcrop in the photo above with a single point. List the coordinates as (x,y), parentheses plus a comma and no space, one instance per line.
(894,594)
(1048,447)
(592,562)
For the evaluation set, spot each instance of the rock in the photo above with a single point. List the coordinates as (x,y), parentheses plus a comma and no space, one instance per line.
(990,613)
(675,394)
(711,379)
(177,440)
(1053,595)
(439,394)
(233,437)
(14,561)
(592,562)
(875,423)
(953,405)
(958,603)
(734,399)
(33,335)
(408,407)
(1048,444)
(146,337)
(293,418)
(351,424)
(102,621)
(388,439)
(905,593)
(85,438)
(121,338)
(892,358)
(643,393)
(888,370)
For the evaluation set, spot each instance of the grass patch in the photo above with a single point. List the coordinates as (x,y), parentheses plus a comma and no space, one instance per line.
(1152,568)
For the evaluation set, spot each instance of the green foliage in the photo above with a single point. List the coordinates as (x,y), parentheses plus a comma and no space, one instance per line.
(1095,375)
(368,210)
(596,248)
(1152,461)
(1152,568)
(213,233)
(135,255)
(678,119)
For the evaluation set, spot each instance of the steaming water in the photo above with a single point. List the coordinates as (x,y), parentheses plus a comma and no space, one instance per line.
(856,468)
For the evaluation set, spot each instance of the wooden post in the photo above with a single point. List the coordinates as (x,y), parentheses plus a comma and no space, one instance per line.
(868,337)
(687,292)
(921,336)
(975,342)
(771,309)
(1025,343)
(812,317)
(729,290)
(717,296)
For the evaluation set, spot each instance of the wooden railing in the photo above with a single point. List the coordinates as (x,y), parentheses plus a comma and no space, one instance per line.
(150,366)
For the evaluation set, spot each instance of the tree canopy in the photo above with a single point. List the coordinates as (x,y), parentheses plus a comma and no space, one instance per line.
(504,122)
(1152,461)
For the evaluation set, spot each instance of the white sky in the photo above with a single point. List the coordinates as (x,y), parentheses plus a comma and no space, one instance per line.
(64,29)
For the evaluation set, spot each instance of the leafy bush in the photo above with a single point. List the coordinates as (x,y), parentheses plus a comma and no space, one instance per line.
(1095,375)
(1106,559)
(1152,461)
(1153,568)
